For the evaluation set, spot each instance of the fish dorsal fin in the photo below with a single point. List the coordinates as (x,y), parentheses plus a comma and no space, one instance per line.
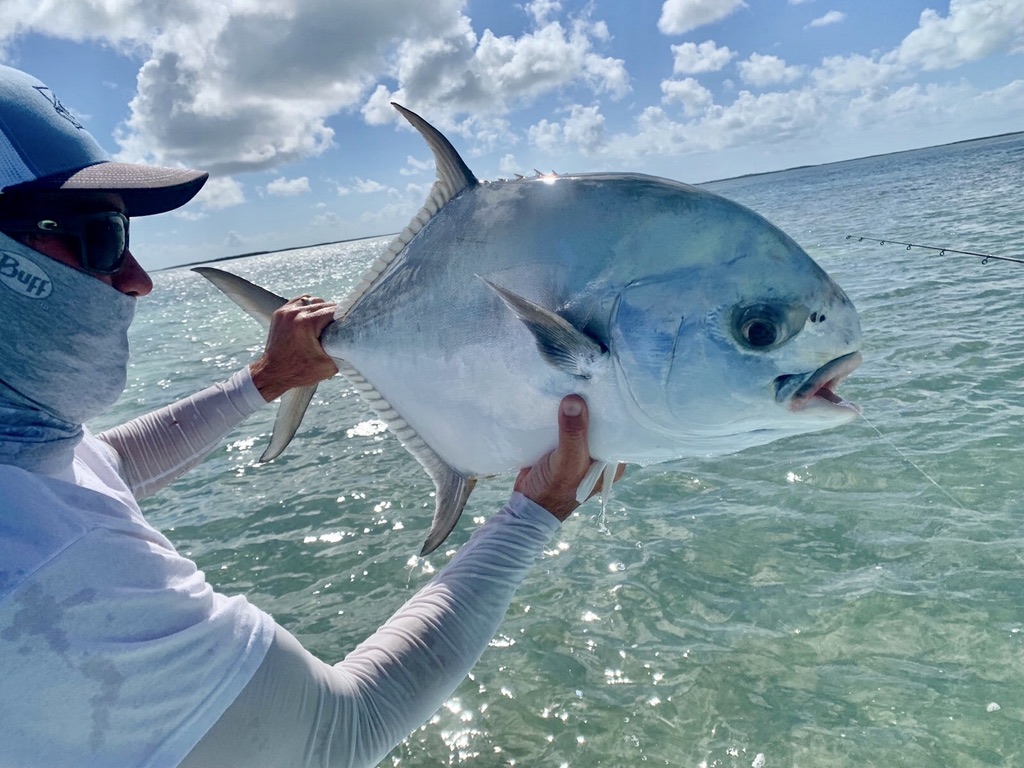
(453,176)
(451,487)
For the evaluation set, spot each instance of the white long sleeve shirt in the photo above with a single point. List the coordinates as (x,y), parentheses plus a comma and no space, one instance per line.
(115,651)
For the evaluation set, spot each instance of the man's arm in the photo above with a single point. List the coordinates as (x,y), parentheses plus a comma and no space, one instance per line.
(155,449)
(299,711)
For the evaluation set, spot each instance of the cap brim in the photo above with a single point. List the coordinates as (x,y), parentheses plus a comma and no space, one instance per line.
(145,189)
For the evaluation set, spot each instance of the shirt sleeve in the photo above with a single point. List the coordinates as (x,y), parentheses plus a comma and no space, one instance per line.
(157,448)
(299,711)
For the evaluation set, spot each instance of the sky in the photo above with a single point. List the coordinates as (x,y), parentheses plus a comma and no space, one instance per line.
(287,102)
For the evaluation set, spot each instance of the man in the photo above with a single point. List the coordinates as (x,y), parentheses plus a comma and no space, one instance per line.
(114,651)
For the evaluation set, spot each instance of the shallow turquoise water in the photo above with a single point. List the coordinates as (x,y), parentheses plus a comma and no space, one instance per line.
(850,598)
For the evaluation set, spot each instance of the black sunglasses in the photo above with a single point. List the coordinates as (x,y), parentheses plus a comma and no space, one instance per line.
(102,237)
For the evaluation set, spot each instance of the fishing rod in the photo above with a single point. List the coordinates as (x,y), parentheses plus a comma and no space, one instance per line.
(942,251)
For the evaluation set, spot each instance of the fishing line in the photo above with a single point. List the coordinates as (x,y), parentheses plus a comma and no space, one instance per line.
(911,462)
(941,249)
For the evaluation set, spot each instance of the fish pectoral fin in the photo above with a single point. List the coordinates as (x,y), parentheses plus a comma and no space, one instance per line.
(258,302)
(293,407)
(559,342)
(452,491)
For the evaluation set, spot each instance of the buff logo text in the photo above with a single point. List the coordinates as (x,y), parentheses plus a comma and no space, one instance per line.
(24,277)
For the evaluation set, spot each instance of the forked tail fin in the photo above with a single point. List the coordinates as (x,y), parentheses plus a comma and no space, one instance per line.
(451,487)
(260,304)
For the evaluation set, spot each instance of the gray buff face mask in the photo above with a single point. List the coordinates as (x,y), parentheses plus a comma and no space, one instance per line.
(63,355)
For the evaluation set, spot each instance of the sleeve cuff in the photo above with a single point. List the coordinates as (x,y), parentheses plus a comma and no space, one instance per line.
(523,508)
(242,384)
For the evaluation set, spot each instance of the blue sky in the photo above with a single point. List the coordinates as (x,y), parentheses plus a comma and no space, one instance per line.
(285,102)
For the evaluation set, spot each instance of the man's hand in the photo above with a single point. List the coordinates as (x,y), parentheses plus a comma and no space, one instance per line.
(552,481)
(293,356)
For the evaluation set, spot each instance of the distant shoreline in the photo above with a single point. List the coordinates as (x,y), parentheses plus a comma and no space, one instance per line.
(702,183)
(276,250)
(864,157)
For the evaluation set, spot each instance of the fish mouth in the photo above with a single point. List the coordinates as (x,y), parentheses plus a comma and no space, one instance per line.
(800,391)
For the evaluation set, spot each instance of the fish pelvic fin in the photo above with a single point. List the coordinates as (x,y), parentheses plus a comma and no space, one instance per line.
(260,304)
(560,343)
(451,487)
(453,176)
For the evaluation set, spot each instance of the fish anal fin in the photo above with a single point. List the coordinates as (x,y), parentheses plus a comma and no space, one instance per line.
(452,487)
(451,492)
(559,342)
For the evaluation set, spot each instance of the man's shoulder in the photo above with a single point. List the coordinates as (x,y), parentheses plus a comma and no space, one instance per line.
(42,517)
(36,525)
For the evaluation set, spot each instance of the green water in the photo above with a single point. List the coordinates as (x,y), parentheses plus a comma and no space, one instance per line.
(850,598)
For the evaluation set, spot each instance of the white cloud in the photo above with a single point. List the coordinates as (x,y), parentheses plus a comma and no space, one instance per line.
(220,192)
(607,75)
(282,187)
(205,99)
(845,98)
(692,59)
(327,220)
(414,167)
(760,71)
(363,187)
(839,74)
(509,166)
(492,74)
(582,130)
(767,118)
(543,10)
(687,92)
(832,17)
(680,16)
(972,30)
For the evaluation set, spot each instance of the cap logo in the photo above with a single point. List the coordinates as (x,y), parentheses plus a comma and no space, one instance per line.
(59,108)
(24,277)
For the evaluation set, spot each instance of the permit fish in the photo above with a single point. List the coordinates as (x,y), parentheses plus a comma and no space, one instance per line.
(691,325)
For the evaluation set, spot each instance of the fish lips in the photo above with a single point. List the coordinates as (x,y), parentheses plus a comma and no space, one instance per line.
(800,391)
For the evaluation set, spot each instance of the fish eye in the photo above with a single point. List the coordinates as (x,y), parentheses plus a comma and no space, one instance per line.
(760,326)
(760,332)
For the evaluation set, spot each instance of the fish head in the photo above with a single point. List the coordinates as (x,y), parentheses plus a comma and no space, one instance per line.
(744,344)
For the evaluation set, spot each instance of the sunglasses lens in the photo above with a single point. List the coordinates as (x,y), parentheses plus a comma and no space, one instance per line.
(104,242)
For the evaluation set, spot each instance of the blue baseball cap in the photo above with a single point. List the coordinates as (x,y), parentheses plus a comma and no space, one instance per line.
(44,148)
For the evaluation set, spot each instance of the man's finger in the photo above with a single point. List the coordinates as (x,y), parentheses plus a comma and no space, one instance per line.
(572,432)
